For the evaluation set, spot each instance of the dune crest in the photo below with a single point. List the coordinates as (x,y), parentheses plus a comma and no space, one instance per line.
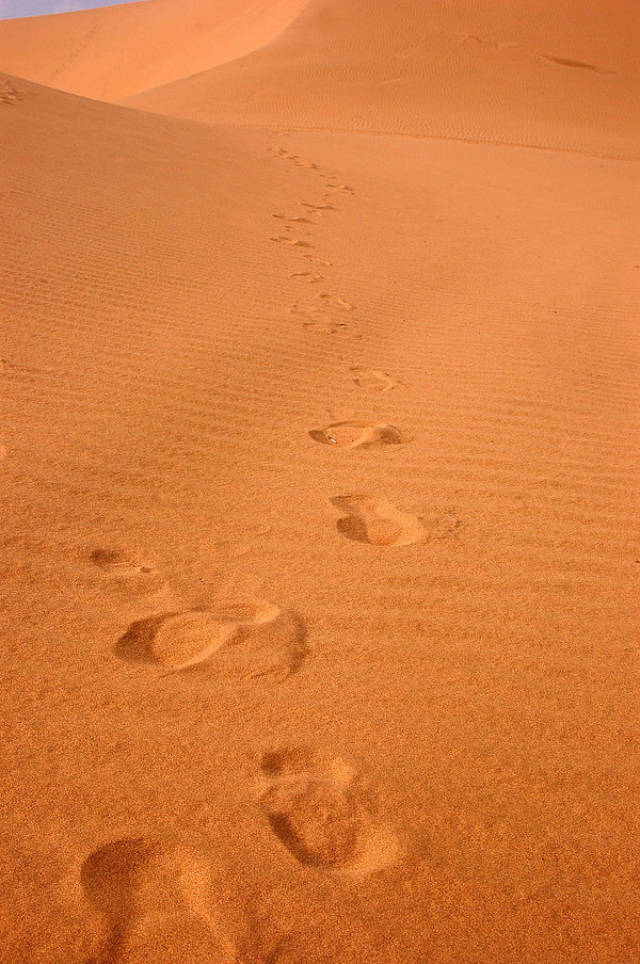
(89,52)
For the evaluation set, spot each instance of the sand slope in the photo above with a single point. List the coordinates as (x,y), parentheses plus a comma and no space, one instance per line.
(319,557)
(113,52)
(536,73)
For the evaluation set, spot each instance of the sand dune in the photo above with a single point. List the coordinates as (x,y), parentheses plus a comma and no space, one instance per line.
(535,73)
(114,52)
(530,73)
(319,458)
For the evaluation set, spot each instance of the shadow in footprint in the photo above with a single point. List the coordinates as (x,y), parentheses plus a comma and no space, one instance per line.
(250,640)
(354,434)
(376,521)
(156,899)
(319,811)
(126,573)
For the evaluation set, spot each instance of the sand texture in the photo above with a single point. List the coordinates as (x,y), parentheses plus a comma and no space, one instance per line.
(319,466)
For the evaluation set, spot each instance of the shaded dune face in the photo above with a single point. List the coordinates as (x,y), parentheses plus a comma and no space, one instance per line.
(87,52)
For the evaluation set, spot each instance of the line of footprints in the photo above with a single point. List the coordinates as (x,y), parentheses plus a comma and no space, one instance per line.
(155,895)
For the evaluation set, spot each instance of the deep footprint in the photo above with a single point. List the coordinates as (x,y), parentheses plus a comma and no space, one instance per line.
(353,434)
(156,899)
(317,808)
(250,640)
(376,521)
(126,573)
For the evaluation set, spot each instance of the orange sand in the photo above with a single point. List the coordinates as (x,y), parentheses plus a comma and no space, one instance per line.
(319,468)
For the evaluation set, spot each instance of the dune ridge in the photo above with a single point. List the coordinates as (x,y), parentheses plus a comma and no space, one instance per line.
(109,53)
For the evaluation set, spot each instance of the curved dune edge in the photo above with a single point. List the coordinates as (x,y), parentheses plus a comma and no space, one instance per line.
(89,52)
(525,74)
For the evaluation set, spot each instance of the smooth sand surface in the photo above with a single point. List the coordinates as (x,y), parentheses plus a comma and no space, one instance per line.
(319,558)
(114,52)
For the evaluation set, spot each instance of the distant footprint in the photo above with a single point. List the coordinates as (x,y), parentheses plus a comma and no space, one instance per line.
(125,573)
(309,275)
(377,521)
(333,302)
(319,809)
(312,257)
(156,898)
(252,640)
(374,380)
(318,207)
(354,434)
(331,328)
(579,64)
(8,93)
(293,242)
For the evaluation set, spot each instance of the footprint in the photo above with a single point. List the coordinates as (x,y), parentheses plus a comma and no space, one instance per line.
(318,207)
(353,434)
(299,220)
(156,898)
(125,573)
(250,639)
(579,64)
(313,278)
(377,521)
(374,380)
(333,302)
(331,328)
(8,93)
(312,257)
(294,242)
(320,810)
